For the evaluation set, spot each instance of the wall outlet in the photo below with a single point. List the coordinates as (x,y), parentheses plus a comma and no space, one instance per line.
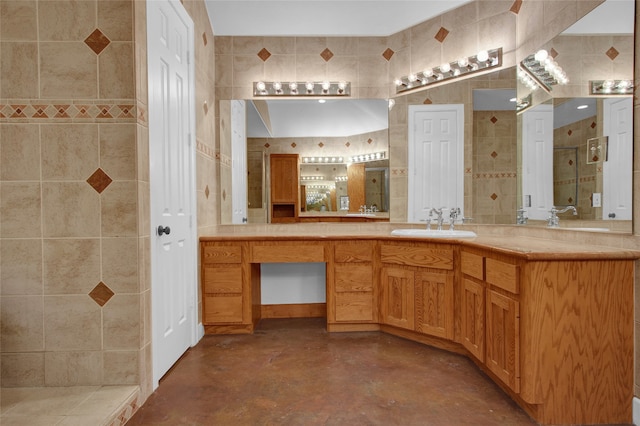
(596,199)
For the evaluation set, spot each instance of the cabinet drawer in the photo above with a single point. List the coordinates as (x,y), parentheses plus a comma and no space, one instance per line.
(472,265)
(222,254)
(353,253)
(417,256)
(284,253)
(221,309)
(222,280)
(354,307)
(353,278)
(503,275)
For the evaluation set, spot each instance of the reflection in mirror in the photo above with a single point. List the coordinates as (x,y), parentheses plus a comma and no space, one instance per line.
(598,47)
(332,140)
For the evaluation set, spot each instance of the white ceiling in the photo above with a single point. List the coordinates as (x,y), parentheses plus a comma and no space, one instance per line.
(321,17)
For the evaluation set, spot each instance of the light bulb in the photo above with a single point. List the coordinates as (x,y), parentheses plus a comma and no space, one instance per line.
(412,77)
(309,86)
(277,86)
(342,85)
(398,82)
(446,67)
(463,62)
(482,56)
(261,86)
(293,87)
(326,85)
(427,73)
(541,55)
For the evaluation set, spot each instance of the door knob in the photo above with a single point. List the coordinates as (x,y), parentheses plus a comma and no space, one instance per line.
(165,230)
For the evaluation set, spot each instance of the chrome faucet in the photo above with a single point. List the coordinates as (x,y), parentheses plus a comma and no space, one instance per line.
(453,215)
(439,219)
(521,217)
(553,221)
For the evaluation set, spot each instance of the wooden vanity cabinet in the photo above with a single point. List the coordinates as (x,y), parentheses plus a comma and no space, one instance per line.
(351,286)
(226,307)
(490,314)
(472,304)
(417,288)
(503,322)
(284,201)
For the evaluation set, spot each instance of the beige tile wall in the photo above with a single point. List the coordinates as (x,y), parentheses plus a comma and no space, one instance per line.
(70,293)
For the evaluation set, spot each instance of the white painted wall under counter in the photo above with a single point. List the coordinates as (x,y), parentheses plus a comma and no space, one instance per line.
(289,283)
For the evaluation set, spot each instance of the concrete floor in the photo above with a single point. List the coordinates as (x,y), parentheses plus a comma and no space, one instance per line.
(292,372)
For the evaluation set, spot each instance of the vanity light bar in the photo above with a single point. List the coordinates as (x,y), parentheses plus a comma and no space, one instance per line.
(544,70)
(482,61)
(302,88)
(611,87)
(322,160)
(363,158)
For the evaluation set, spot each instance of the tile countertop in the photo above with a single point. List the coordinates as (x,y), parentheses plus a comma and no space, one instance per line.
(530,243)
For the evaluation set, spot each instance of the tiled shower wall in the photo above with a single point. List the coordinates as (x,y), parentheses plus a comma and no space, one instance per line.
(74,189)
(71,277)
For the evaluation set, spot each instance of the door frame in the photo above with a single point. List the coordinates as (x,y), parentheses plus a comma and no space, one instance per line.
(197,331)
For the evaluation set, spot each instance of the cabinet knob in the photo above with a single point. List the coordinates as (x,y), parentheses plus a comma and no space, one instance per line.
(165,230)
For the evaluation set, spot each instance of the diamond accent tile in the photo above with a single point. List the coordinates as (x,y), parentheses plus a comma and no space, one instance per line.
(570,132)
(515,7)
(97,41)
(206,191)
(494,120)
(494,154)
(40,111)
(387,54)
(204,38)
(593,125)
(369,141)
(264,54)
(494,196)
(612,53)
(427,101)
(553,53)
(101,294)
(571,162)
(224,194)
(570,200)
(321,144)
(266,145)
(293,145)
(348,144)
(442,34)
(99,180)
(326,54)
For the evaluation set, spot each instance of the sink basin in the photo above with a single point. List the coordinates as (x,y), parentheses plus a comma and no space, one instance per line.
(433,233)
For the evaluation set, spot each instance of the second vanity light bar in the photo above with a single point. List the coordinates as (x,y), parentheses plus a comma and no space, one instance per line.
(482,61)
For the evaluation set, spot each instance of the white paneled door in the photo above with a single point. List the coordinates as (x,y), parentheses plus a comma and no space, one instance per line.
(436,159)
(618,168)
(172,180)
(537,161)
(239,162)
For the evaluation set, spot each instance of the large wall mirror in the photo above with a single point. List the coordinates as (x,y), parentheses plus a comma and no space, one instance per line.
(343,149)
(576,147)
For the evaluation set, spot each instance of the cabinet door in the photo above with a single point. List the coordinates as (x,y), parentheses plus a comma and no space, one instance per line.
(434,303)
(503,338)
(284,178)
(472,321)
(398,297)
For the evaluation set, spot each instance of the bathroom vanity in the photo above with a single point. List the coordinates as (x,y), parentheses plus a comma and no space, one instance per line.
(550,322)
